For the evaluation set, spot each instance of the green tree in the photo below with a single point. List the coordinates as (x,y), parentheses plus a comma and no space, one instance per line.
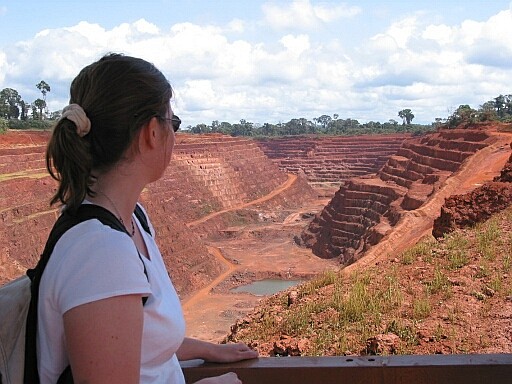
(463,114)
(438,122)
(323,120)
(508,105)
(499,104)
(24,109)
(297,126)
(55,115)
(200,128)
(38,104)
(215,126)
(3,125)
(242,129)
(487,112)
(225,128)
(44,88)
(267,129)
(10,103)
(406,115)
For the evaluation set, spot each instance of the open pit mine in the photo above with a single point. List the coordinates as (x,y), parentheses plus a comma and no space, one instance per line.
(229,210)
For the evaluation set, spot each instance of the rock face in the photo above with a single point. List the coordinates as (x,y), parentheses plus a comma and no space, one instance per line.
(332,158)
(364,210)
(506,173)
(25,192)
(461,211)
(208,174)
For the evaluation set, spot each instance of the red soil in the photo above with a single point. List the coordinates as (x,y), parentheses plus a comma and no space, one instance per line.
(224,214)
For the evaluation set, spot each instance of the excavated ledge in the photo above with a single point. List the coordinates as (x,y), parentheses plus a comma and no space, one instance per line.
(332,159)
(366,209)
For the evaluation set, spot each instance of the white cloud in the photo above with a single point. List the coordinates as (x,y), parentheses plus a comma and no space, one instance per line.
(236,25)
(400,32)
(198,95)
(3,67)
(296,45)
(301,14)
(442,34)
(414,63)
(484,43)
(328,13)
(146,27)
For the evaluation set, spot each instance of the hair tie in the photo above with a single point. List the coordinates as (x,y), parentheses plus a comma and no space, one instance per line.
(77,115)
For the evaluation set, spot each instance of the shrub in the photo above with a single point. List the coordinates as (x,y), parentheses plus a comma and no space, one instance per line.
(30,124)
(3,125)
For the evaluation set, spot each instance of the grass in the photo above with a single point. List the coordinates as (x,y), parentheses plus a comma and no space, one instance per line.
(507,261)
(392,295)
(457,246)
(487,238)
(423,249)
(404,331)
(326,278)
(429,289)
(439,283)
(421,308)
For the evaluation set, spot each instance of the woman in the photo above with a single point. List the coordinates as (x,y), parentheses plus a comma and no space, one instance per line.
(115,137)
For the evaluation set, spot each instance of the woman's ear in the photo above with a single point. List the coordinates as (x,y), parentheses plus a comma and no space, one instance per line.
(149,134)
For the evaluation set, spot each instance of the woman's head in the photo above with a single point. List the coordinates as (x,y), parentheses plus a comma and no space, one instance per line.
(119,95)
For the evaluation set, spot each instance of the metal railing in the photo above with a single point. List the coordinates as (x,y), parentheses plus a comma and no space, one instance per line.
(417,369)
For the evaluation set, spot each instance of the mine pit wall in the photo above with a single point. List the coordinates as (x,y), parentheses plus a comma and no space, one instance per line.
(332,159)
(25,192)
(233,170)
(298,193)
(366,209)
(207,174)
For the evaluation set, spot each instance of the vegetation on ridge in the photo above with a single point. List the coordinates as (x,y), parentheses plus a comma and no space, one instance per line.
(449,296)
(497,109)
(14,114)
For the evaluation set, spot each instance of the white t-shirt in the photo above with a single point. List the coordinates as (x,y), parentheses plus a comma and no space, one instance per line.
(91,262)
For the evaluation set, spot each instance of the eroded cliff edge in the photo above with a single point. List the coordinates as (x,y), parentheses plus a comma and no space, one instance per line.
(367,209)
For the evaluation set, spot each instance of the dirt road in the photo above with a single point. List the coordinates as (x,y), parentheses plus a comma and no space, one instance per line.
(257,251)
(287,184)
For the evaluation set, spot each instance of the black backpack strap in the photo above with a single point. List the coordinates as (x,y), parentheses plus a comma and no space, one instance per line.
(65,222)
(143,220)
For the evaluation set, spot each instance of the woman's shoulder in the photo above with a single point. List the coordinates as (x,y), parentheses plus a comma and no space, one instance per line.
(97,261)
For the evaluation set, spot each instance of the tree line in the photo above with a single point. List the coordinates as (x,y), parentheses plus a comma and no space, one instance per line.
(323,125)
(17,113)
(13,107)
(497,109)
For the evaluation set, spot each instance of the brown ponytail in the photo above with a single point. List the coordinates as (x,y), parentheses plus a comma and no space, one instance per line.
(119,94)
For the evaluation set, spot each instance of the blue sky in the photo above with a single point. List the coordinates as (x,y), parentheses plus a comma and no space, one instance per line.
(270,61)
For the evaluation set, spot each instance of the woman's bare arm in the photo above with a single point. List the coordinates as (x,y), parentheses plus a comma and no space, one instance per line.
(215,353)
(104,339)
